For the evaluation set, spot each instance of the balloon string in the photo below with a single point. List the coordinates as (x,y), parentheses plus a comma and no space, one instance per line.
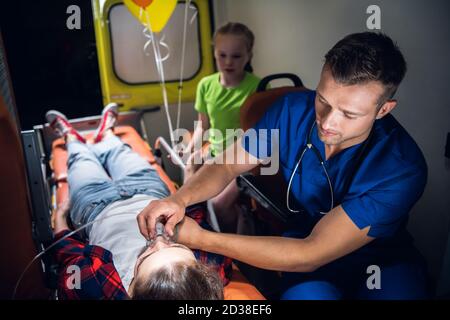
(183,53)
(192,7)
(161,43)
(188,6)
(160,69)
(165,45)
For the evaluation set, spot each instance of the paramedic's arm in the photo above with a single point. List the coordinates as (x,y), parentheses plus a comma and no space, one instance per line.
(207,182)
(334,236)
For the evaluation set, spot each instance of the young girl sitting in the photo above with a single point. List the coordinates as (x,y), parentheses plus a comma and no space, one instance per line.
(218,102)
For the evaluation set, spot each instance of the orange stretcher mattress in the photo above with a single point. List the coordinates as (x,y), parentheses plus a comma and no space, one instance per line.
(238,289)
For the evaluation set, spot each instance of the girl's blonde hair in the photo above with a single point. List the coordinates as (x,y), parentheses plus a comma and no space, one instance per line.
(238,29)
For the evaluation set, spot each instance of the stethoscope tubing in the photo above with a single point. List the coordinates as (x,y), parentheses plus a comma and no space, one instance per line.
(309,145)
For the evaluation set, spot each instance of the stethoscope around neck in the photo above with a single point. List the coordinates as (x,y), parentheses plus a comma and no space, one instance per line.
(311,146)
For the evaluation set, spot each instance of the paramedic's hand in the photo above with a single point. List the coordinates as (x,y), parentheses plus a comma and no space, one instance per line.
(169,210)
(189,233)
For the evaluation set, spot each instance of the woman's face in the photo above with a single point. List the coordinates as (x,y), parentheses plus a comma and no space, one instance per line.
(231,54)
(161,252)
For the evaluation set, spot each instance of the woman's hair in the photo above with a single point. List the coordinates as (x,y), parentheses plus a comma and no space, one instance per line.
(180,281)
(238,29)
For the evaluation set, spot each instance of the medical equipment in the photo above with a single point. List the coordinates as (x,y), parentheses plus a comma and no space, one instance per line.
(160,141)
(159,229)
(310,145)
(161,232)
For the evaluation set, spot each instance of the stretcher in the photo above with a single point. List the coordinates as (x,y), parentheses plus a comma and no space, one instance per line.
(33,176)
(17,231)
(51,153)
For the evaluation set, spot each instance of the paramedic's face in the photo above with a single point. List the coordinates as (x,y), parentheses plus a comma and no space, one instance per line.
(231,54)
(162,253)
(345,113)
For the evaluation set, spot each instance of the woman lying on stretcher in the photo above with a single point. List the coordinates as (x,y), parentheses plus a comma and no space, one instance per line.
(110,184)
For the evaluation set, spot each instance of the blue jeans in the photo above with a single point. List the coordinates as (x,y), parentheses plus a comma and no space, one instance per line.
(108,171)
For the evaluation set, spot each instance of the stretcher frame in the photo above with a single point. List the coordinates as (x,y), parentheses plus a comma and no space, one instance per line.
(38,144)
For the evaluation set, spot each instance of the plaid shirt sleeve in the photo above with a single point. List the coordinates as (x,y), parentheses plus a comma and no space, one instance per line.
(98,278)
(222,264)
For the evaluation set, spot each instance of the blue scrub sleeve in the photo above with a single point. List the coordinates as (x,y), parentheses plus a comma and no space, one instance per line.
(259,140)
(386,206)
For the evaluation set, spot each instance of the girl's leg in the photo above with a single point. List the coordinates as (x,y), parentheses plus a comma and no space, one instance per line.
(226,208)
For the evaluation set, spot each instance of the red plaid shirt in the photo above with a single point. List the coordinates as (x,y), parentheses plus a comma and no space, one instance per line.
(98,276)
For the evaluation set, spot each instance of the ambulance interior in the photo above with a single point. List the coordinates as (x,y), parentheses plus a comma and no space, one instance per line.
(111,57)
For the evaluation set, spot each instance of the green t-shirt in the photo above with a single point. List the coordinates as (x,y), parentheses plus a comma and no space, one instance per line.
(222,106)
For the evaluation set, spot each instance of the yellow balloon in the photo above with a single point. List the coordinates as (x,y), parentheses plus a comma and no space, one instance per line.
(153,12)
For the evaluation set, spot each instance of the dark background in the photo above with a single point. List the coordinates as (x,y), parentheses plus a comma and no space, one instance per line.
(51,66)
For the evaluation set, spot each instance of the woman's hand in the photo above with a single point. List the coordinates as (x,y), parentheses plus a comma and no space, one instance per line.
(59,217)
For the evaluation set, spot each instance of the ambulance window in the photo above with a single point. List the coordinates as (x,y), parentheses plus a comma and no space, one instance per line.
(133,65)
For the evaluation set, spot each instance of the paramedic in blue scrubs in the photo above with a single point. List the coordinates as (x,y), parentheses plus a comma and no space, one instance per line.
(357,248)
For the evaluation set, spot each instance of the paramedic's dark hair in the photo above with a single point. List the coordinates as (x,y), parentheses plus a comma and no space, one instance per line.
(367,56)
(180,281)
(238,29)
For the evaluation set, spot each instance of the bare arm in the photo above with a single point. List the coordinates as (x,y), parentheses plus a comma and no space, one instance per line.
(211,179)
(333,237)
(197,137)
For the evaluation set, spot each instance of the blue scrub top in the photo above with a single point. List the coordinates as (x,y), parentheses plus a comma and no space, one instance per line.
(389,181)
